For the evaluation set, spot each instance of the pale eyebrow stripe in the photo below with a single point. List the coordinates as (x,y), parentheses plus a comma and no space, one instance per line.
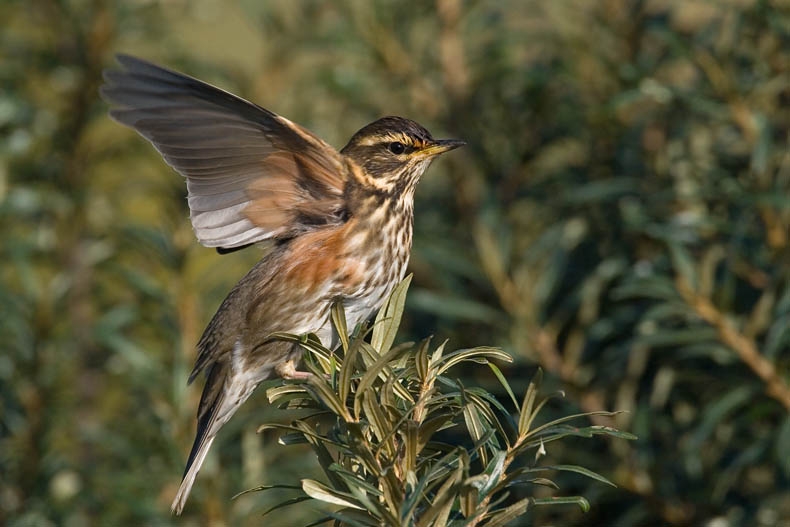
(401,138)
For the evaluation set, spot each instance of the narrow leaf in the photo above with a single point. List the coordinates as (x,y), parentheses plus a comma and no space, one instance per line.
(388,318)
(502,517)
(321,492)
(581,470)
(494,470)
(480,355)
(373,372)
(503,382)
(347,371)
(321,391)
(338,314)
(421,361)
(266,487)
(286,503)
(526,415)
(276,392)
(569,500)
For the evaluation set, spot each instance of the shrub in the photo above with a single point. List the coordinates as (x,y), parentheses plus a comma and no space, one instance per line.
(402,442)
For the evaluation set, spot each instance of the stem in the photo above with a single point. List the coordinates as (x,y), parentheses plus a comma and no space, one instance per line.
(744,347)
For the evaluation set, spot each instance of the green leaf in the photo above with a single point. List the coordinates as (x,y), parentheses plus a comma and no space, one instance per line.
(378,369)
(298,427)
(377,419)
(569,500)
(388,319)
(292,439)
(319,444)
(355,481)
(266,487)
(558,432)
(570,418)
(526,416)
(502,517)
(286,503)
(581,470)
(338,315)
(503,413)
(321,391)
(480,355)
(277,392)
(436,356)
(321,492)
(476,427)
(494,470)
(544,482)
(504,383)
(442,504)
(412,499)
(409,443)
(430,426)
(613,432)
(421,361)
(311,344)
(468,500)
(347,371)
(486,412)
(361,490)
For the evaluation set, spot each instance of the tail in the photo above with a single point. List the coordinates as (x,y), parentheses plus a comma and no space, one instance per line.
(222,396)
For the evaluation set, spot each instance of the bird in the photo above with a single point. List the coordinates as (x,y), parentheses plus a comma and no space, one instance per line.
(339,222)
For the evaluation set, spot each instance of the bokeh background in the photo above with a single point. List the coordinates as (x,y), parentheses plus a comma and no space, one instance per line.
(619,218)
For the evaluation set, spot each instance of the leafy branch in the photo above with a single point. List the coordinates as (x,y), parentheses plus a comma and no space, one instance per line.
(409,445)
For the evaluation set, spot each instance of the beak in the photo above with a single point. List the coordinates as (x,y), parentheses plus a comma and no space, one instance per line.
(441,146)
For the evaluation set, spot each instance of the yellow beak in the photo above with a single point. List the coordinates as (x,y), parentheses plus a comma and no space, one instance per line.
(440,146)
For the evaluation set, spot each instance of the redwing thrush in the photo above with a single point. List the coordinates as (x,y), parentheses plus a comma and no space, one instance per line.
(341,222)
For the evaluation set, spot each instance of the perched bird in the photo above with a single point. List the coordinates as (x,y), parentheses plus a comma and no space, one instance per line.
(341,222)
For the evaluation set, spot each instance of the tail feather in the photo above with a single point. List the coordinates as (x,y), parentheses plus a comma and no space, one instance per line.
(197,457)
(222,396)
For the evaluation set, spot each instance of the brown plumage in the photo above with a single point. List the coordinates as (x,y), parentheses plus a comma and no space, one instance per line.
(342,223)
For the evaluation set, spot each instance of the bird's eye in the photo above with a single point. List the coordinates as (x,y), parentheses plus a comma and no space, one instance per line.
(397,148)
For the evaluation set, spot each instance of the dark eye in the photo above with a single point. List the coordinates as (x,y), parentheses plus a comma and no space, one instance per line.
(397,148)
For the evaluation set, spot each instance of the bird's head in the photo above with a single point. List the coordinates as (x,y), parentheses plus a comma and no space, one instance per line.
(395,151)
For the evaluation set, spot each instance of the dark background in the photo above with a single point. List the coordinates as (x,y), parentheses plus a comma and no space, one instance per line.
(620,217)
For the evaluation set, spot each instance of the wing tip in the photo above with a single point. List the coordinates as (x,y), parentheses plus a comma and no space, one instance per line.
(130,62)
(228,250)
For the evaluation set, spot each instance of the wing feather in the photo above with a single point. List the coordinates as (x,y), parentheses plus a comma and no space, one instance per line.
(251,174)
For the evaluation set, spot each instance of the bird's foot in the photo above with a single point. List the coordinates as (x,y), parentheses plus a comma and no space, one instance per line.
(287,370)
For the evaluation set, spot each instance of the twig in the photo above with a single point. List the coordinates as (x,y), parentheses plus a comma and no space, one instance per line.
(744,347)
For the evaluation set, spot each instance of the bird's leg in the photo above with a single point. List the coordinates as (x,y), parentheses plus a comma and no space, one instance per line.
(287,370)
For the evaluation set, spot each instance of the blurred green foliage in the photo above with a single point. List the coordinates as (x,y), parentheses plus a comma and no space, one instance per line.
(621,218)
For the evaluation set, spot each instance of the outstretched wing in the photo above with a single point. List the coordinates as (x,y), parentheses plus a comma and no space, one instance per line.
(251,174)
